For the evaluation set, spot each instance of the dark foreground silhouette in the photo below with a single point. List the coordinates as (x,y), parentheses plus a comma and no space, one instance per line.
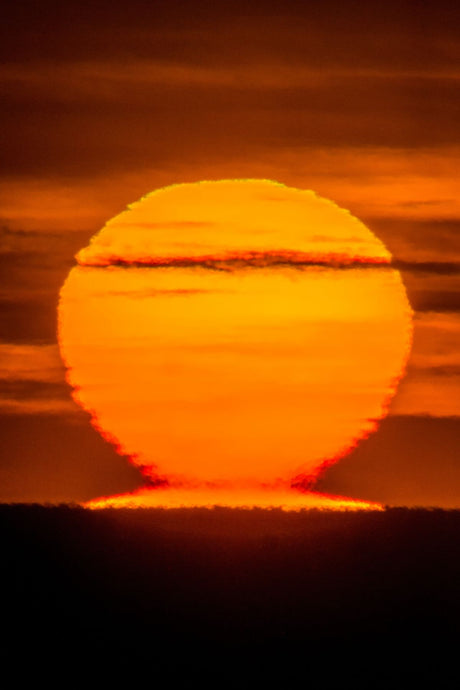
(243,594)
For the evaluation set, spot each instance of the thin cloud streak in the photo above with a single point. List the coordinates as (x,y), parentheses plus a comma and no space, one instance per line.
(436,301)
(29,389)
(32,380)
(236,261)
(145,294)
(232,261)
(31,362)
(103,80)
(426,389)
(441,268)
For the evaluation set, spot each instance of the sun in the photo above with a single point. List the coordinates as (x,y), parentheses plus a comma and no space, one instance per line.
(233,337)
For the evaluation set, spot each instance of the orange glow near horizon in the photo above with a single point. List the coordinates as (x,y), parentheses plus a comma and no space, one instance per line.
(260,496)
(239,335)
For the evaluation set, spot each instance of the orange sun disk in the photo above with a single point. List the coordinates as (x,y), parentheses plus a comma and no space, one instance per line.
(234,338)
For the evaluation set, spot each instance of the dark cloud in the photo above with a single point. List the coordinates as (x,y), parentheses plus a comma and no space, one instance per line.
(146,124)
(33,266)
(27,389)
(234,261)
(111,83)
(427,251)
(7,233)
(440,268)
(445,370)
(442,301)
(411,238)
(31,320)
(332,31)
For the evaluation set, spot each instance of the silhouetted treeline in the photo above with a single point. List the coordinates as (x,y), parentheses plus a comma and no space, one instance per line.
(347,595)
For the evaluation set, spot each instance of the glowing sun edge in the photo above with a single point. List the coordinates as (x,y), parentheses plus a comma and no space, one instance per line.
(285,496)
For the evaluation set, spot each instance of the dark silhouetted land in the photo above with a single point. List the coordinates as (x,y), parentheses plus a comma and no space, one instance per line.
(369,597)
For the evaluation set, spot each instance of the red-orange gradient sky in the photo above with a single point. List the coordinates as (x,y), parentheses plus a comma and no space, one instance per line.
(103,105)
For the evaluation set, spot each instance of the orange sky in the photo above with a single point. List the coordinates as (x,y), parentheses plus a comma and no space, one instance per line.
(104,105)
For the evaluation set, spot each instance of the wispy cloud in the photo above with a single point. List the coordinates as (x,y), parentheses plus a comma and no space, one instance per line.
(233,261)
(442,268)
(435,300)
(145,294)
(32,380)
(21,390)
(432,384)
(32,362)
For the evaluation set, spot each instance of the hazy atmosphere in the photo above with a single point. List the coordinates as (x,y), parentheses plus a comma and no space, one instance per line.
(103,104)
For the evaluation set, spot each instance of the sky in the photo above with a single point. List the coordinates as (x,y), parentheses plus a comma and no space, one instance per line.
(358,102)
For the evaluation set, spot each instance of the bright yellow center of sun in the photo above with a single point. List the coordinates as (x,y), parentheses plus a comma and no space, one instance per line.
(234,334)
